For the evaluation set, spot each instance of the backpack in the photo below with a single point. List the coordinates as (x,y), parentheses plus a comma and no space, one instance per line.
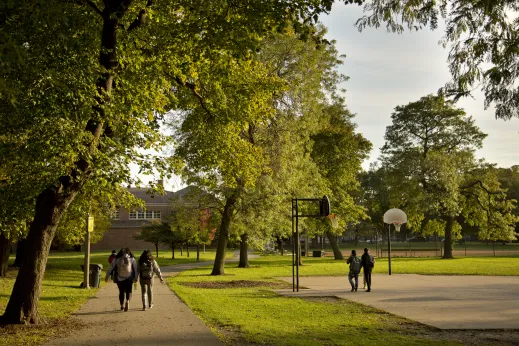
(370,262)
(125,267)
(355,265)
(146,270)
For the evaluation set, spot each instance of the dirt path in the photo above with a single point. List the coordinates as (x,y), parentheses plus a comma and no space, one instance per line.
(170,322)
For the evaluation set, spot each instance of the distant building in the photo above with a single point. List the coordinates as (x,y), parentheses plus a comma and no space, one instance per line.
(126,224)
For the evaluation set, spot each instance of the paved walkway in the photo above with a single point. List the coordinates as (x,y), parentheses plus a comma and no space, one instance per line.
(170,322)
(447,302)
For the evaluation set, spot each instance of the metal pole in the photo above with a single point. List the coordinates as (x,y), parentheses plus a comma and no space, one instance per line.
(389,247)
(86,263)
(298,254)
(293,252)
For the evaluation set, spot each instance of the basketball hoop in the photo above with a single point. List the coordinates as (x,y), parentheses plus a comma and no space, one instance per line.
(396,217)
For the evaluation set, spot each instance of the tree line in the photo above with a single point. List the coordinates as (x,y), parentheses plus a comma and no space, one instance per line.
(251,94)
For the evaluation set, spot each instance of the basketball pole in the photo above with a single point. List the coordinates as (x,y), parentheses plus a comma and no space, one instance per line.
(389,247)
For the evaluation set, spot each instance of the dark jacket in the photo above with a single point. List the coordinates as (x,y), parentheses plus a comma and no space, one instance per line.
(365,261)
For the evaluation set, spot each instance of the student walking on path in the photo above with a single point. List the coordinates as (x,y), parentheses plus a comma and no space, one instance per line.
(170,322)
(368,263)
(124,268)
(148,267)
(354,263)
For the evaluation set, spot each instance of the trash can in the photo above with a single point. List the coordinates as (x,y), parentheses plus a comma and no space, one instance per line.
(94,275)
(318,253)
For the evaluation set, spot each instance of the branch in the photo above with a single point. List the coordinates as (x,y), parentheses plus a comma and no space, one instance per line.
(193,88)
(141,19)
(94,7)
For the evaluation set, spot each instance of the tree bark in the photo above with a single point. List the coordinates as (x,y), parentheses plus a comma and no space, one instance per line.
(447,251)
(198,252)
(157,249)
(173,251)
(5,245)
(244,247)
(50,206)
(281,246)
(335,247)
(223,236)
(187,250)
(20,251)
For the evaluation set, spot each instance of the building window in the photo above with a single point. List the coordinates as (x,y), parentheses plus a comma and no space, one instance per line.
(144,215)
(115,215)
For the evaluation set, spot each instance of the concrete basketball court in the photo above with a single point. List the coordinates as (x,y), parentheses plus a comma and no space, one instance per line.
(446,302)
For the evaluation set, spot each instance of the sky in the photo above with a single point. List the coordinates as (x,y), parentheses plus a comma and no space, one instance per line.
(388,69)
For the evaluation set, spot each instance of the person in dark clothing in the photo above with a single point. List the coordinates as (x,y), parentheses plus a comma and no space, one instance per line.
(127,273)
(355,266)
(368,263)
(112,256)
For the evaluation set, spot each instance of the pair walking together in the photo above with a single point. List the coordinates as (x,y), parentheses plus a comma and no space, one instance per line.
(366,262)
(126,271)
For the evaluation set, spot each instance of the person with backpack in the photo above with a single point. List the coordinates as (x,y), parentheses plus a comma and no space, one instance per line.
(148,267)
(368,263)
(125,273)
(354,263)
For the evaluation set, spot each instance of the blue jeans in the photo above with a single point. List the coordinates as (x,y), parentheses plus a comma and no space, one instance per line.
(350,278)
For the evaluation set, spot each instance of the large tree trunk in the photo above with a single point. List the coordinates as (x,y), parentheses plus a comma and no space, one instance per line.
(50,206)
(20,252)
(244,247)
(335,247)
(447,251)
(5,245)
(223,236)
(281,246)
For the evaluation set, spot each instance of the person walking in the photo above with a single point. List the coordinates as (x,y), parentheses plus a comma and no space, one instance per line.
(112,256)
(354,263)
(368,263)
(125,271)
(148,267)
(110,260)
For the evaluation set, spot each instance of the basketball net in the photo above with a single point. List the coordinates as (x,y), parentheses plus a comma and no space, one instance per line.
(397,226)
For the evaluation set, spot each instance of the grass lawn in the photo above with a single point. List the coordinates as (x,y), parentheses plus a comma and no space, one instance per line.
(61,295)
(243,307)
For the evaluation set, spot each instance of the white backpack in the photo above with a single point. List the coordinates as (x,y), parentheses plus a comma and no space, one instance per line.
(124,269)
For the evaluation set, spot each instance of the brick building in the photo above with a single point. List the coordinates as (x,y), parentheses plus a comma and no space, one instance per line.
(126,224)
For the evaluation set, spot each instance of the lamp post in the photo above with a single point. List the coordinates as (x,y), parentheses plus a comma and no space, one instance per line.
(396,217)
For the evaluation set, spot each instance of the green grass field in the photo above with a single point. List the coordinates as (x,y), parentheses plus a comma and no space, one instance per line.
(243,307)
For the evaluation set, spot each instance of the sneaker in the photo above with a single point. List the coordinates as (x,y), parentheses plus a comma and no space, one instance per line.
(151,305)
(126,306)
(352,289)
(122,308)
(368,290)
(144,308)
(355,289)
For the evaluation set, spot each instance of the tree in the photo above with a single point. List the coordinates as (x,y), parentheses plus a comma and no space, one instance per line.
(338,153)
(153,232)
(483,43)
(429,156)
(86,93)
